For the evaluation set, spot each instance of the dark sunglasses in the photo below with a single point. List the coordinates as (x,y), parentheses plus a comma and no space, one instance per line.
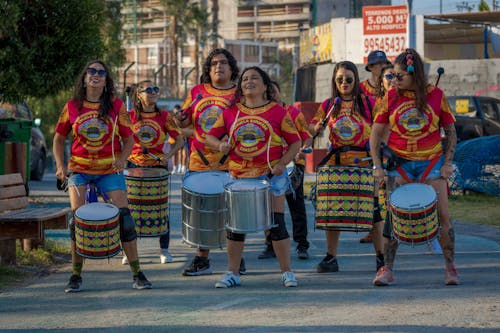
(150,90)
(94,71)
(340,80)
(389,77)
(400,77)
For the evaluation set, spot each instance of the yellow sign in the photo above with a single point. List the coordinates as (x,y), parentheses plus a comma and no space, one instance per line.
(316,44)
(462,105)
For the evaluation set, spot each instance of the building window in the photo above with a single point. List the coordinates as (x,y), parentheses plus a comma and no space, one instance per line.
(269,54)
(251,53)
(152,55)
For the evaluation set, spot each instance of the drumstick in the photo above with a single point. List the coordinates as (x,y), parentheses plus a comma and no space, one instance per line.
(145,151)
(440,71)
(197,98)
(359,160)
(336,101)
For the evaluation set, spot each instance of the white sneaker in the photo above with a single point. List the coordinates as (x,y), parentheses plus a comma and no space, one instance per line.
(165,256)
(182,169)
(229,280)
(288,279)
(124,260)
(176,169)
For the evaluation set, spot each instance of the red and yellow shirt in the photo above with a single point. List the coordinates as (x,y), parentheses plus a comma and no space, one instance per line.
(151,132)
(414,134)
(94,142)
(204,105)
(257,136)
(367,89)
(301,124)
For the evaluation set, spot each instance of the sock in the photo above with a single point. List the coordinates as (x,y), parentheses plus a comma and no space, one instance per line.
(77,268)
(135,267)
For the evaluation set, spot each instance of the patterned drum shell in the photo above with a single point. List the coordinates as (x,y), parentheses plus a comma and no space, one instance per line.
(97,230)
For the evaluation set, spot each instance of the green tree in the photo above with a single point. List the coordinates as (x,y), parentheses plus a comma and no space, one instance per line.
(483,6)
(44,43)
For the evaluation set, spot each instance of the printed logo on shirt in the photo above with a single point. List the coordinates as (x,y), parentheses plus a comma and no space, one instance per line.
(250,134)
(93,131)
(148,133)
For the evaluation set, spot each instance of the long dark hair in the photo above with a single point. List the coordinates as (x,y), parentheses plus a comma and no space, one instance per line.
(107,96)
(265,78)
(205,76)
(134,95)
(356,92)
(418,74)
(380,90)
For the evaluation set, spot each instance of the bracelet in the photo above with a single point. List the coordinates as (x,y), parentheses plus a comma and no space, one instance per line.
(375,167)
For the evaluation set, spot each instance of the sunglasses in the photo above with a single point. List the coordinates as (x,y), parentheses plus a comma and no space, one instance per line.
(389,77)
(400,77)
(340,80)
(94,71)
(150,90)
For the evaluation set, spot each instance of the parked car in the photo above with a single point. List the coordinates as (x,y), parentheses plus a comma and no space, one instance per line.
(38,149)
(476,116)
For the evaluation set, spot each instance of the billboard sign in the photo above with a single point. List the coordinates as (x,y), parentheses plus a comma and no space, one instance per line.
(316,44)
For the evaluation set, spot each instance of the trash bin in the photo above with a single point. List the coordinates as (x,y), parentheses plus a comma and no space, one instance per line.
(15,135)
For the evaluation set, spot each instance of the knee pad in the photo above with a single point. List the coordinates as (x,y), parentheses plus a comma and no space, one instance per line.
(71,226)
(235,237)
(387,232)
(279,232)
(127,226)
(377,217)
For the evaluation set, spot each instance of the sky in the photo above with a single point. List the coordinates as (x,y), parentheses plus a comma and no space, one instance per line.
(427,7)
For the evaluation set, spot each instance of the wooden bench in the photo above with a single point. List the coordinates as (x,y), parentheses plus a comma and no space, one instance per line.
(20,221)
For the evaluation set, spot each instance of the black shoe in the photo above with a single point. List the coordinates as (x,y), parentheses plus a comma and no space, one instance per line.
(327,265)
(199,266)
(302,252)
(243,268)
(74,285)
(140,281)
(267,253)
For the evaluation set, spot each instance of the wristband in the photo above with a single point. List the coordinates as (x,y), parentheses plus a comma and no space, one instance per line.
(375,167)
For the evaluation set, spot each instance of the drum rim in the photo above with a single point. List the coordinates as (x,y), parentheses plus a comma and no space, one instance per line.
(421,185)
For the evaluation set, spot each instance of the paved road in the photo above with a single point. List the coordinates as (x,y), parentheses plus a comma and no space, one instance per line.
(337,302)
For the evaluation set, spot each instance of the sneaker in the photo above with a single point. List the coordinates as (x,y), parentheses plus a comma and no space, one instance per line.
(74,285)
(367,238)
(327,265)
(229,280)
(124,260)
(451,276)
(435,247)
(182,169)
(302,252)
(288,279)
(199,266)
(140,281)
(243,268)
(267,253)
(384,277)
(165,256)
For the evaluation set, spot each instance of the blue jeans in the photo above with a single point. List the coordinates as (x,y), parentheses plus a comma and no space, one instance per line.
(415,169)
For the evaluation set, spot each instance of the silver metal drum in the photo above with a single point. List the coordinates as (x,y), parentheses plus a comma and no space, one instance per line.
(204,209)
(249,206)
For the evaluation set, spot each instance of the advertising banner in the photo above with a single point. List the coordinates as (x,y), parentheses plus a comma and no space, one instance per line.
(316,44)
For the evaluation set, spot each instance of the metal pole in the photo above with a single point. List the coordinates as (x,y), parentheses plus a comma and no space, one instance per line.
(185,80)
(125,76)
(158,71)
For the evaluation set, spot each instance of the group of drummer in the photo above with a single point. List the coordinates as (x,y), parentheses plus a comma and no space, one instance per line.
(241,129)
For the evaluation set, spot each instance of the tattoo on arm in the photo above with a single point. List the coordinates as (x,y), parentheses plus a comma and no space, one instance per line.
(450,142)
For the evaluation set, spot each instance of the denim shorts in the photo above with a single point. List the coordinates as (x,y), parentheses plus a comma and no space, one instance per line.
(105,183)
(415,169)
(279,184)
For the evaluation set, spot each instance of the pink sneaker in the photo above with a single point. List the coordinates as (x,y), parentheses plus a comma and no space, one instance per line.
(451,276)
(384,277)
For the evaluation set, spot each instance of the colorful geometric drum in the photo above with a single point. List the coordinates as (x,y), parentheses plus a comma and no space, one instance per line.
(344,198)
(147,194)
(413,209)
(97,230)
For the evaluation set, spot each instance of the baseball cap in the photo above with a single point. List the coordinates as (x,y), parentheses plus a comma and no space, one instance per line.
(376,57)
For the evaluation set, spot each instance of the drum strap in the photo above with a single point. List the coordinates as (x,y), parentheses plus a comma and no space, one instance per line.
(203,158)
(426,172)
(337,152)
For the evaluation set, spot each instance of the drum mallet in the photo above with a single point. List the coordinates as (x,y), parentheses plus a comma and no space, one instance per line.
(440,72)
(329,113)
(197,98)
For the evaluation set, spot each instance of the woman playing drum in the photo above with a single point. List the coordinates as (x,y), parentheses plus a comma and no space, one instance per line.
(256,128)
(151,127)
(102,141)
(349,125)
(414,111)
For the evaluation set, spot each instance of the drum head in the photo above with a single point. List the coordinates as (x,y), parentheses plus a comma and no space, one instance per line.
(247,185)
(97,211)
(145,173)
(413,196)
(208,182)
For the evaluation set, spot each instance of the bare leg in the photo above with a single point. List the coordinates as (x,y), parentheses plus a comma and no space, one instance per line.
(282,250)
(332,241)
(234,254)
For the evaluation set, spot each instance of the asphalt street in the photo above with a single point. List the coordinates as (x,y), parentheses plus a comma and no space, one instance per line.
(344,301)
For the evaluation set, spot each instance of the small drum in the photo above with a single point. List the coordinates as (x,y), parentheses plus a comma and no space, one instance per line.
(344,198)
(147,194)
(249,206)
(204,209)
(97,230)
(413,210)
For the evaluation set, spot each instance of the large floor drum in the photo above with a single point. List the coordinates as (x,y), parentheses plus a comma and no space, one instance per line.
(344,198)
(97,230)
(147,194)
(204,209)
(413,209)
(249,206)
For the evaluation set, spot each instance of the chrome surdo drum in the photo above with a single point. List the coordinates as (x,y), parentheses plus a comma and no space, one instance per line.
(204,209)
(249,205)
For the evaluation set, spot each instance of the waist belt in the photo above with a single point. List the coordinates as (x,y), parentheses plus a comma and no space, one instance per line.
(337,152)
